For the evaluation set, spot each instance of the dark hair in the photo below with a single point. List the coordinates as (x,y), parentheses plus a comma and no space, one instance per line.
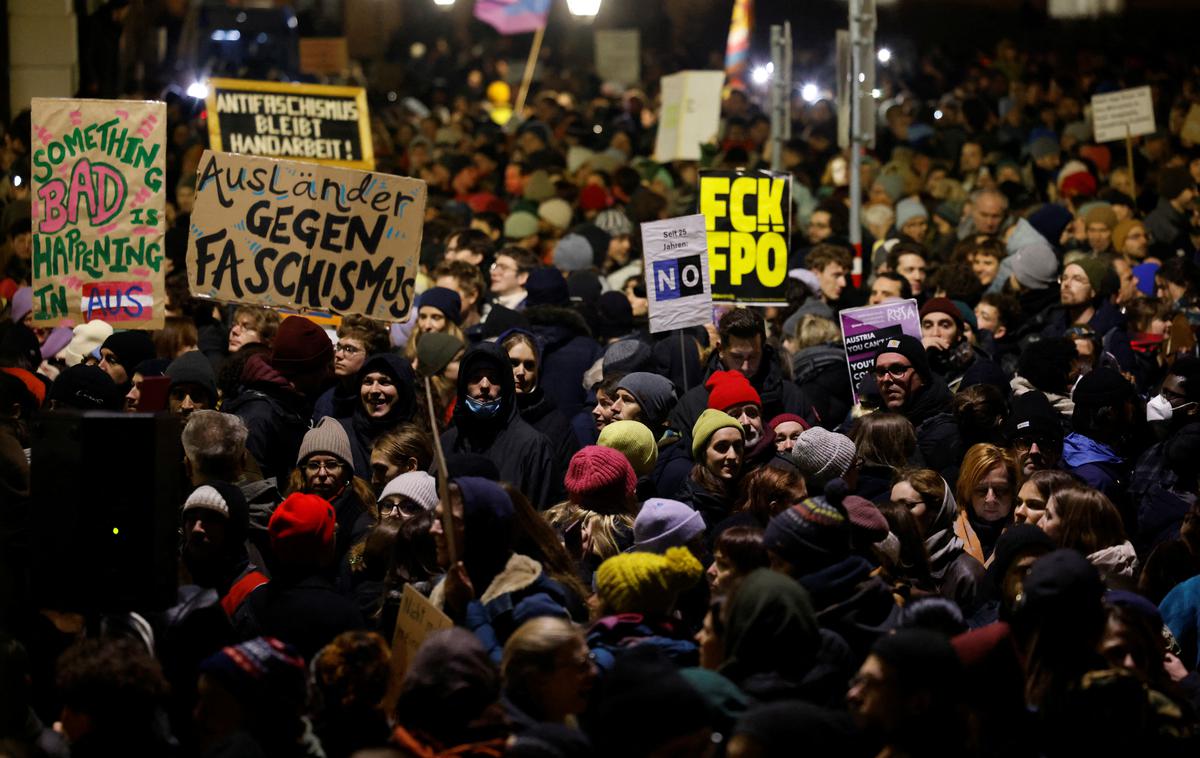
(177,334)
(526,260)
(905,288)
(1051,481)
(770,483)
(824,254)
(1188,370)
(469,277)
(229,380)
(1047,364)
(904,247)
(977,244)
(958,281)
(913,560)
(492,220)
(114,681)
(407,440)
(1180,272)
(839,216)
(1008,309)
(884,439)
(980,411)
(743,323)
(475,240)
(743,547)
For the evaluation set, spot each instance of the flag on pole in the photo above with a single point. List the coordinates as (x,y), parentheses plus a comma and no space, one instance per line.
(513,16)
(737,46)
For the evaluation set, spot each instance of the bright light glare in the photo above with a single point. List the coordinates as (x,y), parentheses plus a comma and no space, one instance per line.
(862,78)
(16,180)
(938,114)
(444,3)
(198,90)
(761,74)
(876,93)
(884,55)
(810,93)
(583,7)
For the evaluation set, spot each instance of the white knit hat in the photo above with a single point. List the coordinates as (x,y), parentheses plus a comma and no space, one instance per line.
(417,486)
(87,338)
(207,497)
(822,454)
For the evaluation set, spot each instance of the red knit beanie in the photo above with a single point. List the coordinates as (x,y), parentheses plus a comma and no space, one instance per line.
(594,198)
(600,479)
(784,418)
(301,529)
(944,305)
(729,388)
(301,347)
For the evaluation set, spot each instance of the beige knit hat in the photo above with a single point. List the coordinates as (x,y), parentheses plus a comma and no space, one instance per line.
(327,437)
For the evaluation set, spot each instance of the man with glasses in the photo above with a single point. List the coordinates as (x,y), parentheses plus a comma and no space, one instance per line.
(909,387)
(1035,433)
(358,338)
(509,272)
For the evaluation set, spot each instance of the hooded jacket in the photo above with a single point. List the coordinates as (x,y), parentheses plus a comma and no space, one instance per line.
(1095,463)
(778,393)
(959,576)
(820,373)
(851,601)
(523,456)
(276,415)
(362,429)
(568,350)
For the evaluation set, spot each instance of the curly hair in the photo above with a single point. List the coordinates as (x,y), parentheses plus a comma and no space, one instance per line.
(115,681)
(352,671)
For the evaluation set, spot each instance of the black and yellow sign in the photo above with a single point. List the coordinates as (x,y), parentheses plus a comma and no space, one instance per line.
(747,216)
(306,122)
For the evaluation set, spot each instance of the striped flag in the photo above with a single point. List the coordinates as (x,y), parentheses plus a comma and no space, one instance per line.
(513,16)
(737,46)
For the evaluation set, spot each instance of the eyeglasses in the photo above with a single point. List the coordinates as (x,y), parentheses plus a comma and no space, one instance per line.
(341,347)
(503,267)
(314,467)
(896,371)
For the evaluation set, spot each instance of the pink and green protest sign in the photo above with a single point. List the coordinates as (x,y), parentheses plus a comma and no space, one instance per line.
(98,212)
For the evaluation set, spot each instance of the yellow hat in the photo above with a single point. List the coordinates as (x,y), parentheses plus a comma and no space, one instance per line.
(707,425)
(499,92)
(646,582)
(635,441)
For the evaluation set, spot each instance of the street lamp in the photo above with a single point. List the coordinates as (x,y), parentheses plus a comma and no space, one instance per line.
(586,8)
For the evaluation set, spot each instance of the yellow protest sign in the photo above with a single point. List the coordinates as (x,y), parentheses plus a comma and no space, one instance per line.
(293,235)
(98,212)
(418,618)
(747,216)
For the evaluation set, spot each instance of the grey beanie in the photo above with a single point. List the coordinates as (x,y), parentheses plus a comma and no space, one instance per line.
(327,437)
(573,253)
(614,221)
(1035,267)
(418,486)
(654,393)
(627,356)
(822,455)
(908,209)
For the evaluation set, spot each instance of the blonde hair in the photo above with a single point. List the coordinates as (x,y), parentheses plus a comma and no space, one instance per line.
(979,460)
(816,330)
(532,648)
(567,515)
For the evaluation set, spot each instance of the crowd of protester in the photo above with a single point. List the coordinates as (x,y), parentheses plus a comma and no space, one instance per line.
(665,544)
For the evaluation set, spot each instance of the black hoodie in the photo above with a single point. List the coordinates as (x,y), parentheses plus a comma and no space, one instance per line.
(362,429)
(524,456)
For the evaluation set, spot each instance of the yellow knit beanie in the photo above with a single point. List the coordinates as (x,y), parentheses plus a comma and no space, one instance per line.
(646,583)
(706,426)
(635,441)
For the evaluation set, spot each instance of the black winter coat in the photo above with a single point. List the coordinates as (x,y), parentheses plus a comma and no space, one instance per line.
(568,351)
(824,381)
(538,411)
(276,416)
(306,612)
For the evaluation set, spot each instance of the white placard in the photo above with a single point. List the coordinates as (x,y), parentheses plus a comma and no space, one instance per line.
(676,270)
(1128,112)
(618,55)
(691,114)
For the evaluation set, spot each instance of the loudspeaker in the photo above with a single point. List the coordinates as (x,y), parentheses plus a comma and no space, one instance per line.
(107,489)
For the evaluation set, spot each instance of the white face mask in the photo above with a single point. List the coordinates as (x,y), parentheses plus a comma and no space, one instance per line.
(1160,409)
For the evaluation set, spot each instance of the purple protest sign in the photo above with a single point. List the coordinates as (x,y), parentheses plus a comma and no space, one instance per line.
(865,329)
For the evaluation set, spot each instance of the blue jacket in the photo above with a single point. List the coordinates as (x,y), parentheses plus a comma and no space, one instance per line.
(1181,613)
(1095,463)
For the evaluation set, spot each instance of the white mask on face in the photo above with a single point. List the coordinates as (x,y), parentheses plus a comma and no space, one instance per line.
(1160,409)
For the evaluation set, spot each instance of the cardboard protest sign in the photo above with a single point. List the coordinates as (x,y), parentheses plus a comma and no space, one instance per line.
(618,55)
(310,122)
(747,215)
(865,329)
(295,235)
(677,284)
(1121,114)
(418,618)
(324,55)
(98,212)
(691,114)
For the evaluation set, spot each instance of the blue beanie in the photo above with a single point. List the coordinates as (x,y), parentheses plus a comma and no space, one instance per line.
(445,300)
(546,286)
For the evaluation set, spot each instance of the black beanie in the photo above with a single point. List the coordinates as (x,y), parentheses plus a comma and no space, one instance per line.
(912,349)
(86,388)
(1033,415)
(1017,540)
(130,347)
(922,659)
(1101,388)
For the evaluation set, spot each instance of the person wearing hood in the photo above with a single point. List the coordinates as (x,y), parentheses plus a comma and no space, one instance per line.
(909,387)
(278,393)
(1159,483)
(535,407)
(568,348)
(358,338)
(122,352)
(958,576)
(487,421)
(743,347)
(772,646)
(1029,270)
(386,399)
(492,590)
(810,542)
